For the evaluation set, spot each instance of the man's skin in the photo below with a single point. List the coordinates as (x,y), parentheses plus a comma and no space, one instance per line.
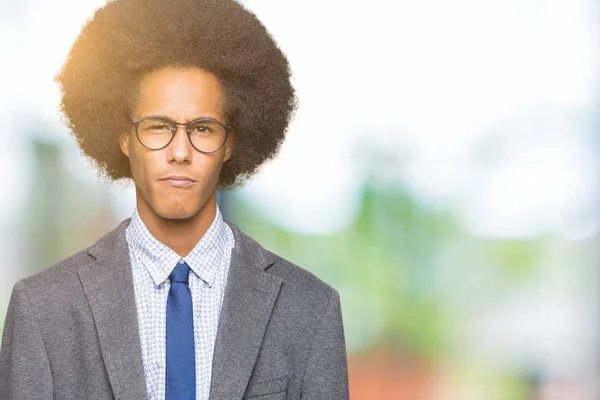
(177,216)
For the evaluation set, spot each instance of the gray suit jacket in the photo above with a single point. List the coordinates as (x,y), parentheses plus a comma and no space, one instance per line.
(71,331)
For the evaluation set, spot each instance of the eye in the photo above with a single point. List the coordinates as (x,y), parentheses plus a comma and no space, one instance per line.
(201,128)
(156,127)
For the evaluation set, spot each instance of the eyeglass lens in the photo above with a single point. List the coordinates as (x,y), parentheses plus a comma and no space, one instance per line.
(156,133)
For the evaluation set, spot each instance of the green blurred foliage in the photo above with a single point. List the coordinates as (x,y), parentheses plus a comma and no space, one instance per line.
(397,266)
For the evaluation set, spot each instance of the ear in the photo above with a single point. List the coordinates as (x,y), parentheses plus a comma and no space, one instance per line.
(228,146)
(124,143)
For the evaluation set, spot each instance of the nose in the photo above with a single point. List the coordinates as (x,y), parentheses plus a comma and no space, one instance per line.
(180,149)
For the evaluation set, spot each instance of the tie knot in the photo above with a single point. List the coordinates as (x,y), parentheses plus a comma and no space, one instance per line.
(180,273)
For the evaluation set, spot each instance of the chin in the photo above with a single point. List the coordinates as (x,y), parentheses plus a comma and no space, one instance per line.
(176,211)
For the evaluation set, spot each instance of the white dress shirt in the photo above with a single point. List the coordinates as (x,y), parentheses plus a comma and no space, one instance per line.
(152,262)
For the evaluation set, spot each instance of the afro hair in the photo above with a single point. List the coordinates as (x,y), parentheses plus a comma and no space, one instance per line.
(126,39)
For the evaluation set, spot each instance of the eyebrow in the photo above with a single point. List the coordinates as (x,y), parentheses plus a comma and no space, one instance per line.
(180,123)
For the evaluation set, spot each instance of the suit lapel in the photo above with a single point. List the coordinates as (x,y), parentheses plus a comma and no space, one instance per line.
(108,286)
(249,298)
(248,301)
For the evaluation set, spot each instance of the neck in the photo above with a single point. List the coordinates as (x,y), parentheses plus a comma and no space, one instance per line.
(180,235)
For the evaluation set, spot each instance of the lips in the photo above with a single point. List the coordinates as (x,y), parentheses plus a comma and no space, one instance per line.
(178,180)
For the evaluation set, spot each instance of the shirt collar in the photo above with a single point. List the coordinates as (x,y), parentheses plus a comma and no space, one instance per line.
(160,260)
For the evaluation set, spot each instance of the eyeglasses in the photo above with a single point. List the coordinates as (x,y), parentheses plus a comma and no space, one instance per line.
(206,135)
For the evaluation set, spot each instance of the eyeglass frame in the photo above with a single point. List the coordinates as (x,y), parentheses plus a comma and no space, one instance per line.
(137,122)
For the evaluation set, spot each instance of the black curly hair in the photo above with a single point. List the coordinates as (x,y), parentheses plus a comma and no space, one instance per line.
(126,39)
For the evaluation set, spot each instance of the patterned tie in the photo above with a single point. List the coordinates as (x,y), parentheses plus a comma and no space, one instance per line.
(181,361)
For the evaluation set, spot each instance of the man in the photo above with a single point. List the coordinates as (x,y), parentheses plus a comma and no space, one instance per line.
(183,97)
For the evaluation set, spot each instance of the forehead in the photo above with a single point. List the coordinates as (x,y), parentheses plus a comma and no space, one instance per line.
(180,93)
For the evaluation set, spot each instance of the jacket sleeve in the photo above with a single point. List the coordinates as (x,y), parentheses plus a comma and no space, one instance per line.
(24,366)
(326,375)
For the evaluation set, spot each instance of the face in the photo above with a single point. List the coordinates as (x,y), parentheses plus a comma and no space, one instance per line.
(182,94)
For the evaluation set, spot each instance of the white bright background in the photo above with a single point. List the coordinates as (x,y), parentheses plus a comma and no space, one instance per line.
(431,79)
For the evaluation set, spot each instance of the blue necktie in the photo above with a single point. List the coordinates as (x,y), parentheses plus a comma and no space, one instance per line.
(181,361)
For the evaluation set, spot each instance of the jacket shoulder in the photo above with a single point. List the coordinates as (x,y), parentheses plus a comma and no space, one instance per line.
(298,281)
(58,274)
(60,281)
(295,275)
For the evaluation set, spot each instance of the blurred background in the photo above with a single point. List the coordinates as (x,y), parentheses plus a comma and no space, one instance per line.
(441,173)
